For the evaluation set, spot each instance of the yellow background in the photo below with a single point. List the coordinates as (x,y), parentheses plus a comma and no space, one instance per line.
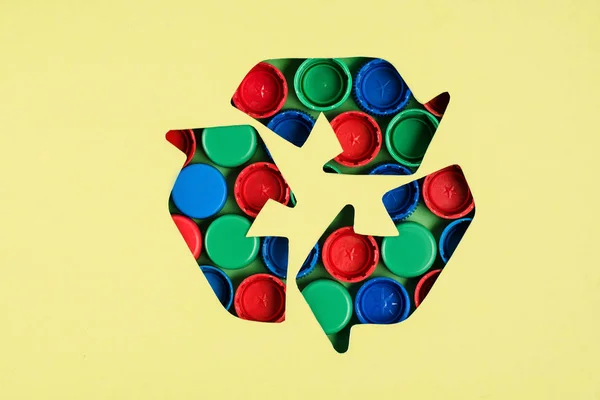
(99,298)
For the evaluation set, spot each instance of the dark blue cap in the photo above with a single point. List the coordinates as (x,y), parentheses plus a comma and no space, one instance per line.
(200,191)
(275,256)
(294,126)
(220,284)
(379,89)
(382,301)
(402,201)
(451,236)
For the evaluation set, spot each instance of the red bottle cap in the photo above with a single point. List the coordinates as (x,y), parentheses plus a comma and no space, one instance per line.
(447,194)
(348,256)
(424,285)
(437,106)
(256,184)
(184,140)
(190,232)
(260,297)
(262,93)
(360,137)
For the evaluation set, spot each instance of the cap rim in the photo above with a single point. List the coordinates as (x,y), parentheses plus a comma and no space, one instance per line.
(239,188)
(469,204)
(448,230)
(309,63)
(239,299)
(402,116)
(374,131)
(191,228)
(223,276)
(367,106)
(365,271)
(419,297)
(400,289)
(241,104)
(186,140)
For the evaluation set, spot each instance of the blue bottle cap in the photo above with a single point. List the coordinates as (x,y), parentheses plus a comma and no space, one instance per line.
(220,284)
(402,201)
(200,191)
(451,236)
(275,256)
(294,126)
(382,301)
(379,89)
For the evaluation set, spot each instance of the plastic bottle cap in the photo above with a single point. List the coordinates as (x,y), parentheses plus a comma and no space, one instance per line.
(424,286)
(379,89)
(261,297)
(437,106)
(382,301)
(220,284)
(359,136)
(256,184)
(226,242)
(275,255)
(411,253)
(184,140)
(408,135)
(402,201)
(348,256)
(331,168)
(262,93)
(323,84)
(331,304)
(447,194)
(229,146)
(294,126)
(200,191)
(190,232)
(451,237)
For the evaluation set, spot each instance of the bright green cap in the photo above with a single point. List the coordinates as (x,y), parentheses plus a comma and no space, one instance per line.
(226,242)
(408,135)
(330,302)
(411,253)
(323,84)
(229,146)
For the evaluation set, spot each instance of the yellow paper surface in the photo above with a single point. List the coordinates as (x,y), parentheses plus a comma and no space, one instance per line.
(99,298)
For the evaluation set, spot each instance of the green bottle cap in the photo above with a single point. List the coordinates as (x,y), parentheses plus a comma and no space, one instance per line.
(411,253)
(226,242)
(408,135)
(229,146)
(331,304)
(323,84)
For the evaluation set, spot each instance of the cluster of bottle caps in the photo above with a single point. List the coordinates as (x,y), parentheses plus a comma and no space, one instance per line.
(224,183)
(381,280)
(368,103)
(347,278)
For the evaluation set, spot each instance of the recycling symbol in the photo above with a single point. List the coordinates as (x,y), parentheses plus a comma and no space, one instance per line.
(346,121)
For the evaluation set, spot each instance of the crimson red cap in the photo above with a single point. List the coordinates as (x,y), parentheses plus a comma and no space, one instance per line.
(360,137)
(447,194)
(424,285)
(256,184)
(190,232)
(262,93)
(260,297)
(348,256)
(184,140)
(437,105)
